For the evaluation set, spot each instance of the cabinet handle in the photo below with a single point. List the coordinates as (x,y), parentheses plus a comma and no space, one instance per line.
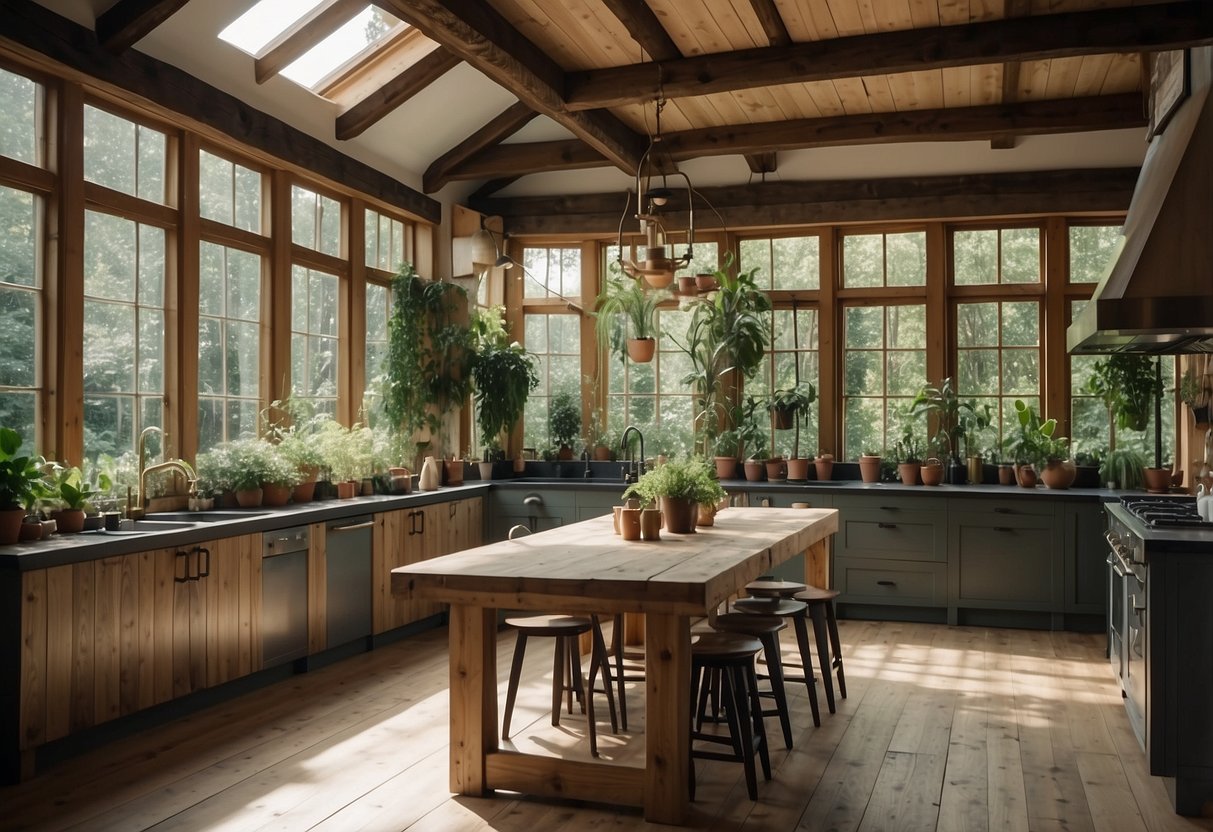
(412,523)
(886,525)
(886,583)
(182,558)
(451,510)
(352,526)
(421,514)
(1006,529)
(204,571)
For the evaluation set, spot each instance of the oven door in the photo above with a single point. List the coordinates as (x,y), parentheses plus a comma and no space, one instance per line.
(1134,681)
(1116,617)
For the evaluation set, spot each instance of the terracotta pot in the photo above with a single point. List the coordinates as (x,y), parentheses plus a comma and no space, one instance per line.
(629,524)
(776,470)
(1006,474)
(680,515)
(1058,474)
(10,525)
(976,470)
(798,469)
(706,282)
(641,350)
(783,417)
(706,515)
(869,468)
(346,489)
(275,495)
(650,524)
(1158,480)
(304,492)
(602,453)
(754,469)
(931,472)
(660,280)
(29,531)
(454,471)
(726,467)
(69,520)
(908,471)
(245,498)
(825,466)
(565,452)
(686,285)
(1026,476)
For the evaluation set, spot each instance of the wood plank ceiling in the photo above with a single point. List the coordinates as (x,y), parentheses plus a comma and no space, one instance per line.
(749,77)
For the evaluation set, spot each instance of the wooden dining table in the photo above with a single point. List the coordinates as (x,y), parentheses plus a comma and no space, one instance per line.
(586,568)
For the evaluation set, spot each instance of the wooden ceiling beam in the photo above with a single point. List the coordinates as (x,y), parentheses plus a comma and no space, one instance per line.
(1010,72)
(126,22)
(491,187)
(645,28)
(768,204)
(477,33)
(762,162)
(304,34)
(358,118)
(529,157)
(509,122)
(1124,29)
(772,23)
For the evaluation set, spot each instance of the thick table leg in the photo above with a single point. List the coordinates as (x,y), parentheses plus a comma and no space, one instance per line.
(817,564)
(473,651)
(667,717)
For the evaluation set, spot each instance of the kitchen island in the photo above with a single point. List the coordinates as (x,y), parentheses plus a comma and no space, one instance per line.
(584,567)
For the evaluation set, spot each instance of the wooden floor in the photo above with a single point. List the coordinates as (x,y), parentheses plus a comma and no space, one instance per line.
(945,728)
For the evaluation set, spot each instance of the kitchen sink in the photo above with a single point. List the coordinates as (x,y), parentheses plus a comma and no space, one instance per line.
(146,526)
(191,517)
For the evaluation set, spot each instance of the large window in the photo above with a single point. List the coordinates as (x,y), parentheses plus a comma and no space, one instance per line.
(653,396)
(229,193)
(385,243)
(998,359)
(20,311)
(124,278)
(993,256)
(229,344)
(124,156)
(378,310)
(314,338)
(551,272)
(877,260)
(884,367)
(792,358)
(555,342)
(783,263)
(315,221)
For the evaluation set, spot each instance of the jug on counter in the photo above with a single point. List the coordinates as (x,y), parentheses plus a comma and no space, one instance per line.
(1204,503)
(430,479)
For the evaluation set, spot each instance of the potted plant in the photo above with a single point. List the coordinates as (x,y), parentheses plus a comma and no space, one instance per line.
(301,451)
(680,485)
(974,420)
(347,454)
(71,492)
(250,465)
(1086,468)
(18,475)
(869,466)
(908,453)
(1123,468)
(503,377)
(1036,446)
(944,405)
(627,318)
(1194,392)
(789,408)
(564,422)
(280,477)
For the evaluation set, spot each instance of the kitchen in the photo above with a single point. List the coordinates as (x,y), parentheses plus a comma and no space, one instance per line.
(1162,222)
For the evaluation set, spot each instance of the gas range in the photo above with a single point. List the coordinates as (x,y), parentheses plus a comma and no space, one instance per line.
(1174,511)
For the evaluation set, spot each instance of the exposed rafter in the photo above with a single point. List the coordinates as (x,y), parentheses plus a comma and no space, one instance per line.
(530,157)
(354,121)
(1010,72)
(762,162)
(302,35)
(509,122)
(128,21)
(1071,115)
(772,23)
(1126,29)
(645,28)
(478,34)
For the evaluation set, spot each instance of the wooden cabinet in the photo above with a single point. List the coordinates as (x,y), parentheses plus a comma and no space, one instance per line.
(1086,568)
(412,535)
(109,637)
(1004,557)
(539,509)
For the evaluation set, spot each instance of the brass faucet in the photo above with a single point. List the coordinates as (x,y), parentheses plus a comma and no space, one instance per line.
(178,465)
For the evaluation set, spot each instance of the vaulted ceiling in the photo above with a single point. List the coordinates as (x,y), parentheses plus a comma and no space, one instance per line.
(515,94)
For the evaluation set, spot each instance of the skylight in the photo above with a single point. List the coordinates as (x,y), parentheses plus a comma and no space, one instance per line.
(266,20)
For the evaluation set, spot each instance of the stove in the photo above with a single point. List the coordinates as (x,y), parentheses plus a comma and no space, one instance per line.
(1175,511)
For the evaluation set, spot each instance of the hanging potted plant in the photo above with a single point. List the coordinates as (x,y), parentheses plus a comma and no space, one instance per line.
(627,319)
(19,474)
(564,423)
(789,408)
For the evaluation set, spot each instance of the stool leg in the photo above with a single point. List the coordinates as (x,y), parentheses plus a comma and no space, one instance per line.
(760,730)
(559,670)
(588,701)
(806,660)
(576,680)
(818,614)
(702,682)
(620,681)
(736,693)
(770,648)
(836,645)
(511,692)
(600,660)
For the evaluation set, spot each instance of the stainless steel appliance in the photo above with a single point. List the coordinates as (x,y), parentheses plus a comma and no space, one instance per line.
(348,580)
(1160,637)
(284,595)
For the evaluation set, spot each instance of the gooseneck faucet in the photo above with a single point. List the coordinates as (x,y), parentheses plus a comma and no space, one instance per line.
(177,465)
(634,469)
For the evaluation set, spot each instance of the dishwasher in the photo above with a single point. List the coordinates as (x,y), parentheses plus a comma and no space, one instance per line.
(348,579)
(284,596)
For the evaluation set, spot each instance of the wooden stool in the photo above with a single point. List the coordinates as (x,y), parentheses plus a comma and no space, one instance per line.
(796,610)
(770,586)
(566,667)
(733,655)
(766,629)
(825,622)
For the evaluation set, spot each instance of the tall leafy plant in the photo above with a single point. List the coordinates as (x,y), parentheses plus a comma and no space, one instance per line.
(625,309)
(504,377)
(1128,386)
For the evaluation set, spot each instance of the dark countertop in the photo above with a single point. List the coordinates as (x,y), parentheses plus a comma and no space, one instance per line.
(67,549)
(1165,541)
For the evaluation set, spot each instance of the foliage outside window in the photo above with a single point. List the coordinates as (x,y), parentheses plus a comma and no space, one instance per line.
(229,344)
(875,260)
(794,340)
(884,367)
(784,263)
(19,101)
(315,221)
(655,396)
(551,272)
(378,310)
(1091,250)
(555,343)
(124,277)
(1006,255)
(229,193)
(20,311)
(314,338)
(124,156)
(998,359)
(384,241)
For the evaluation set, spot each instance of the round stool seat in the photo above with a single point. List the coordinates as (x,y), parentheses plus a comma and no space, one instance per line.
(749,624)
(551,625)
(720,646)
(782,607)
(773,587)
(814,593)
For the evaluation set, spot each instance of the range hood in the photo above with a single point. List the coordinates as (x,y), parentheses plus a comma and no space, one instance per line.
(1157,296)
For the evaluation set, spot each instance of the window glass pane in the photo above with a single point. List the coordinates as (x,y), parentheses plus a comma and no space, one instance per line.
(229,344)
(551,272)
(19,127)
(907,258)
(998,361)
(315,221)
(20,313)
(229,193)
(1020,255)
(123,155)
(555,342)
(384,241)
(787,356)
(783,262)
(1091,251)
(248,188)
(975,257)
(18,237)
(884,366)
(314,337)
(378,309)
(862,260)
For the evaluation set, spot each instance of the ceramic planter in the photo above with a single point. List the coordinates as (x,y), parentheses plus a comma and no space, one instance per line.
(1058,474)
(825,466)
(454,471)
(784,417)
(706,282)
(486,470)
(602,453)
(304,492)
(629,524)
(69,520)
(641,350)
(346,489)
(275,495)
(931,472)
(776,470)
(754,469)
(1025,475)
(29,531)
(869,468)
(707,515)
(650,524)
(248,497)
(798,469)
(686,285)
(908,471)
(10,524)
(1158,480)
(680,515)
(726,467)
(1006,474)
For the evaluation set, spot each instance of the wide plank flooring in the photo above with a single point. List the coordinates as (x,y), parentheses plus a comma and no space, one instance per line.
(946,728)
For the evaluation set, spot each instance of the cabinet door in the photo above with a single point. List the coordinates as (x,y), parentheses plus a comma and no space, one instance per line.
(464,525)
(1005,562)
(230,572)
(394,543)
(1086,552)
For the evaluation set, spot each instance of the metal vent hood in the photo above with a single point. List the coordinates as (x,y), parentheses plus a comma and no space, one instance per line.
(1157,296)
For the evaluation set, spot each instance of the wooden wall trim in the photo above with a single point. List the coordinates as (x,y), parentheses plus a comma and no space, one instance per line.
(64,282)
(36,29)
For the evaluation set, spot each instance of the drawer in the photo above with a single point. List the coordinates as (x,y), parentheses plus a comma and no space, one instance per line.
(891,534)
(550,500)
(1005,565)
(784,499)
(1026,506)
(874,581)
(889,503)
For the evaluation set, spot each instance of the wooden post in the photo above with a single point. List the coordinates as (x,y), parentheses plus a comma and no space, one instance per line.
(473,656)
(667,745)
